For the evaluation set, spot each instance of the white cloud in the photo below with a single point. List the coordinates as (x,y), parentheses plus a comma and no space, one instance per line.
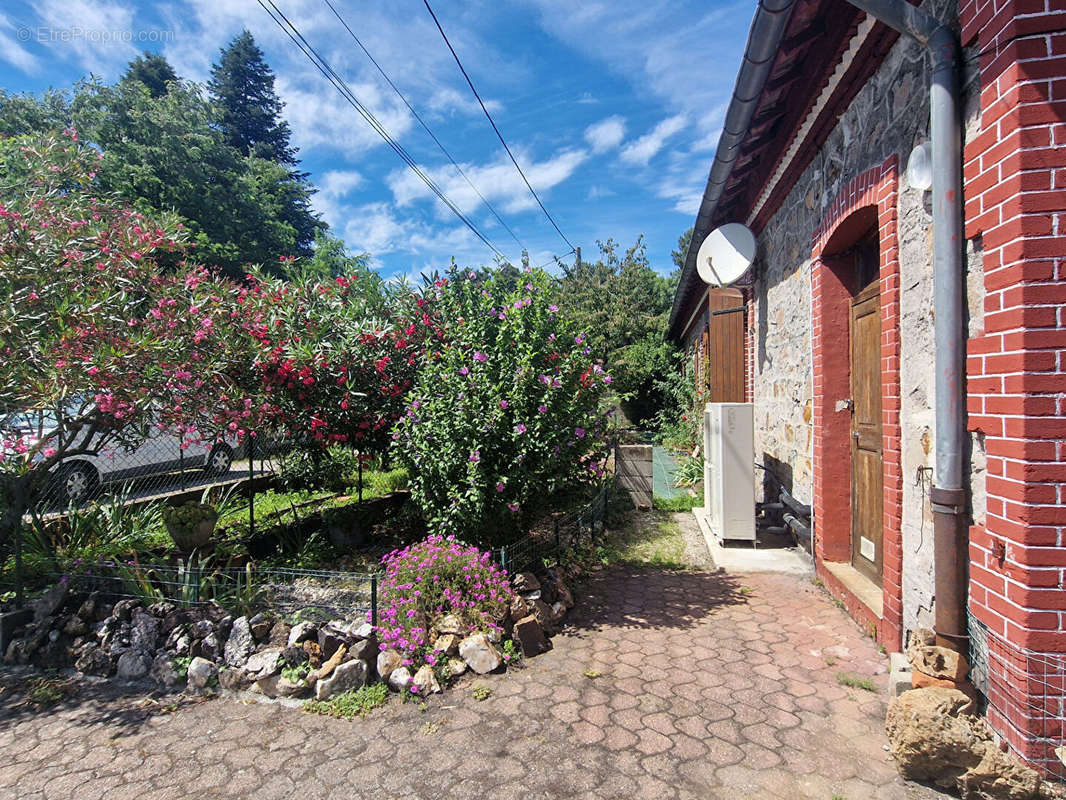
(14,53)
(96,33)
(333,186)
(606,134)
(596,192)
(498,181)
(640,151)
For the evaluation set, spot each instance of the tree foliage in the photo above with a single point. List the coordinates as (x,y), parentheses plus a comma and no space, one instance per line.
(624,304)
(168,153)
(242,84)
(153,71)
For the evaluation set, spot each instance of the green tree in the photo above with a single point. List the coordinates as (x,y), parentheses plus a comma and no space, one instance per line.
(624,305)
(242,85)
(678,255)
(153,70)
(169,153)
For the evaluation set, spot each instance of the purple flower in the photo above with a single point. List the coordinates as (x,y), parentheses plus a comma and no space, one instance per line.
(542,409)
(579,432)
(504,404)
(553,308)
(499,486)
(513,507)
(579,338)
(479,356)
(464,371)
(607,379)
(520,428)
(475,456)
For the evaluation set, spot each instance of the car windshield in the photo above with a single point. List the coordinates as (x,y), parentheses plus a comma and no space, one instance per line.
(38,420)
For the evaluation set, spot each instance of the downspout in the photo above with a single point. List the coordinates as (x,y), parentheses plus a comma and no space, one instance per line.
(948,497)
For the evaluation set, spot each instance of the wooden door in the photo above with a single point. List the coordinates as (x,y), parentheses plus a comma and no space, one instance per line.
(867,482)
(725,353)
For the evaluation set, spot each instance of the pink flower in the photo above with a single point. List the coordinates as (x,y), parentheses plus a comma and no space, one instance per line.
(520,428)
(499,486)
(479,356)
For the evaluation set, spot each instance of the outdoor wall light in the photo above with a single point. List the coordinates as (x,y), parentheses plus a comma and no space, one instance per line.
(920,167)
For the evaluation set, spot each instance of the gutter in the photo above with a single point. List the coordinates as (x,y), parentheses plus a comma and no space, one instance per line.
(948,496)
(764,37)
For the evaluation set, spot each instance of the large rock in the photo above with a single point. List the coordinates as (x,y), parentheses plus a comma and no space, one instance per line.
(201,673)
(561,589)
(51,601)
(345,677)
(425,681)
(240,644)
(279,634)
(479,653)
(235,680)
(400,679)
(93,661)
(124,608)
(163,672)
(133,664)
(449,623)
(540,611)
(998,777)
(208,648)
(365,650)
(530,637)
(144,631)
(934,736)
(388,661)
(456,667)
(264,663)
(301,632)
(260,626)
(525,582)
(939,662)
(448,644)
(324,671)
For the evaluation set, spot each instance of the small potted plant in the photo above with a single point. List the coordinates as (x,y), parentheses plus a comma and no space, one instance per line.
(190,525)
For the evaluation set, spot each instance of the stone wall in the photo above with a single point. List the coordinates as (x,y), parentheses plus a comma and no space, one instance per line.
(888,116)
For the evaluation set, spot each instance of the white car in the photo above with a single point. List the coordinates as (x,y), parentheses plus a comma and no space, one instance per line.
(78,477)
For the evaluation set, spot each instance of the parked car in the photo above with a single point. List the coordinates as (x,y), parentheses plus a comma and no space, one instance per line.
(77,478)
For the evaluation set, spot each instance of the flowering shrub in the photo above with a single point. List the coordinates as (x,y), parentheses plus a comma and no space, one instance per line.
(97,342)
(335,358)
(508,410)
(431,579)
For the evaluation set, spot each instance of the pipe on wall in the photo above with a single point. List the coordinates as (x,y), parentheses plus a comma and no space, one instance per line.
(948,496)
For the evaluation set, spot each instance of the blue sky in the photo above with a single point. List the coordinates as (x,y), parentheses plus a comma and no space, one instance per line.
(613,108)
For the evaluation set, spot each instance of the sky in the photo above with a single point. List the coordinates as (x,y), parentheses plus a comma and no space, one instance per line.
(612,108)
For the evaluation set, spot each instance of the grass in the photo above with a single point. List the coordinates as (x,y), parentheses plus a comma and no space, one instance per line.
(679,502)
(854,682)
(649,540)
(47,690)
(349,705)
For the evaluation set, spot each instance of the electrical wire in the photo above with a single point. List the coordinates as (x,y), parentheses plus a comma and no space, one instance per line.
(341,85)
(422,122)
(499,135)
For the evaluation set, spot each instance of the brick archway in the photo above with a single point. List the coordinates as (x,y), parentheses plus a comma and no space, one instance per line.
(869,199)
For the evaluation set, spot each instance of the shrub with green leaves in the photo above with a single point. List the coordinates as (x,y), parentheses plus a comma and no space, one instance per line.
(507,410)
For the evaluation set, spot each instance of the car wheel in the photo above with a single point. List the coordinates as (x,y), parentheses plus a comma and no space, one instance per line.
(77,483)
(219,460)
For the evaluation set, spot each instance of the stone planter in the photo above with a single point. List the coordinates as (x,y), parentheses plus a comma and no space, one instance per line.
(188,539)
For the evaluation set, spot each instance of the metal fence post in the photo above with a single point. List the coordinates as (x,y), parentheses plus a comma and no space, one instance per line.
(374,599)
(503,558)
(181,463)
(251,483)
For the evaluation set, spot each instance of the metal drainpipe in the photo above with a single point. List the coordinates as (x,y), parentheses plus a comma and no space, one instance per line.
(948,497)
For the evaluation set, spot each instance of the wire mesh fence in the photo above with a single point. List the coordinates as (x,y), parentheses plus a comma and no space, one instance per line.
(1025,692)
(298,594)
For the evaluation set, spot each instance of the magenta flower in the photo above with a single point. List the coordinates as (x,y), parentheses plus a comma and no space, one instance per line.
(475,456)
(520,428)
(553,308)
(479,356)
(499,486)
(542,409)
(513,507)
(504,404)
(464,371)
(579,432)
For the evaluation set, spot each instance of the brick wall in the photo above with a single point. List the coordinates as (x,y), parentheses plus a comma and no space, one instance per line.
(1015,174)
(874,189)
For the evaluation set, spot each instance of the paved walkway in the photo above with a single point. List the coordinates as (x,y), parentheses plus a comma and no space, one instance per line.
(665,685)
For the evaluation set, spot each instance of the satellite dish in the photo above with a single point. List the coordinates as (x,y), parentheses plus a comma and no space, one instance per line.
(725,254)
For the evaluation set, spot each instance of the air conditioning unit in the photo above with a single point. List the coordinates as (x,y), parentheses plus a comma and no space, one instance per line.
(728,479)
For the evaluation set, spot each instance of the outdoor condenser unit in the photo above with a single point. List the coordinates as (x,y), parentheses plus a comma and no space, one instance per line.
(728,481)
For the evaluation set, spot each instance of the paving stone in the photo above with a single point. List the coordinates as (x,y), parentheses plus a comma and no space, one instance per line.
(744,706)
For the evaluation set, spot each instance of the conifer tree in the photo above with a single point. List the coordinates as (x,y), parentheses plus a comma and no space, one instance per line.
(153,70)
(242,84)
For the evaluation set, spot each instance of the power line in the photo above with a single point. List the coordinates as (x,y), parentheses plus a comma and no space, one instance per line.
(499,135)
(341,86)
(422,122)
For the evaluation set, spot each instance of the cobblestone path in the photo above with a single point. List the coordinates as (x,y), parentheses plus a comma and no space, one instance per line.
(663,685)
